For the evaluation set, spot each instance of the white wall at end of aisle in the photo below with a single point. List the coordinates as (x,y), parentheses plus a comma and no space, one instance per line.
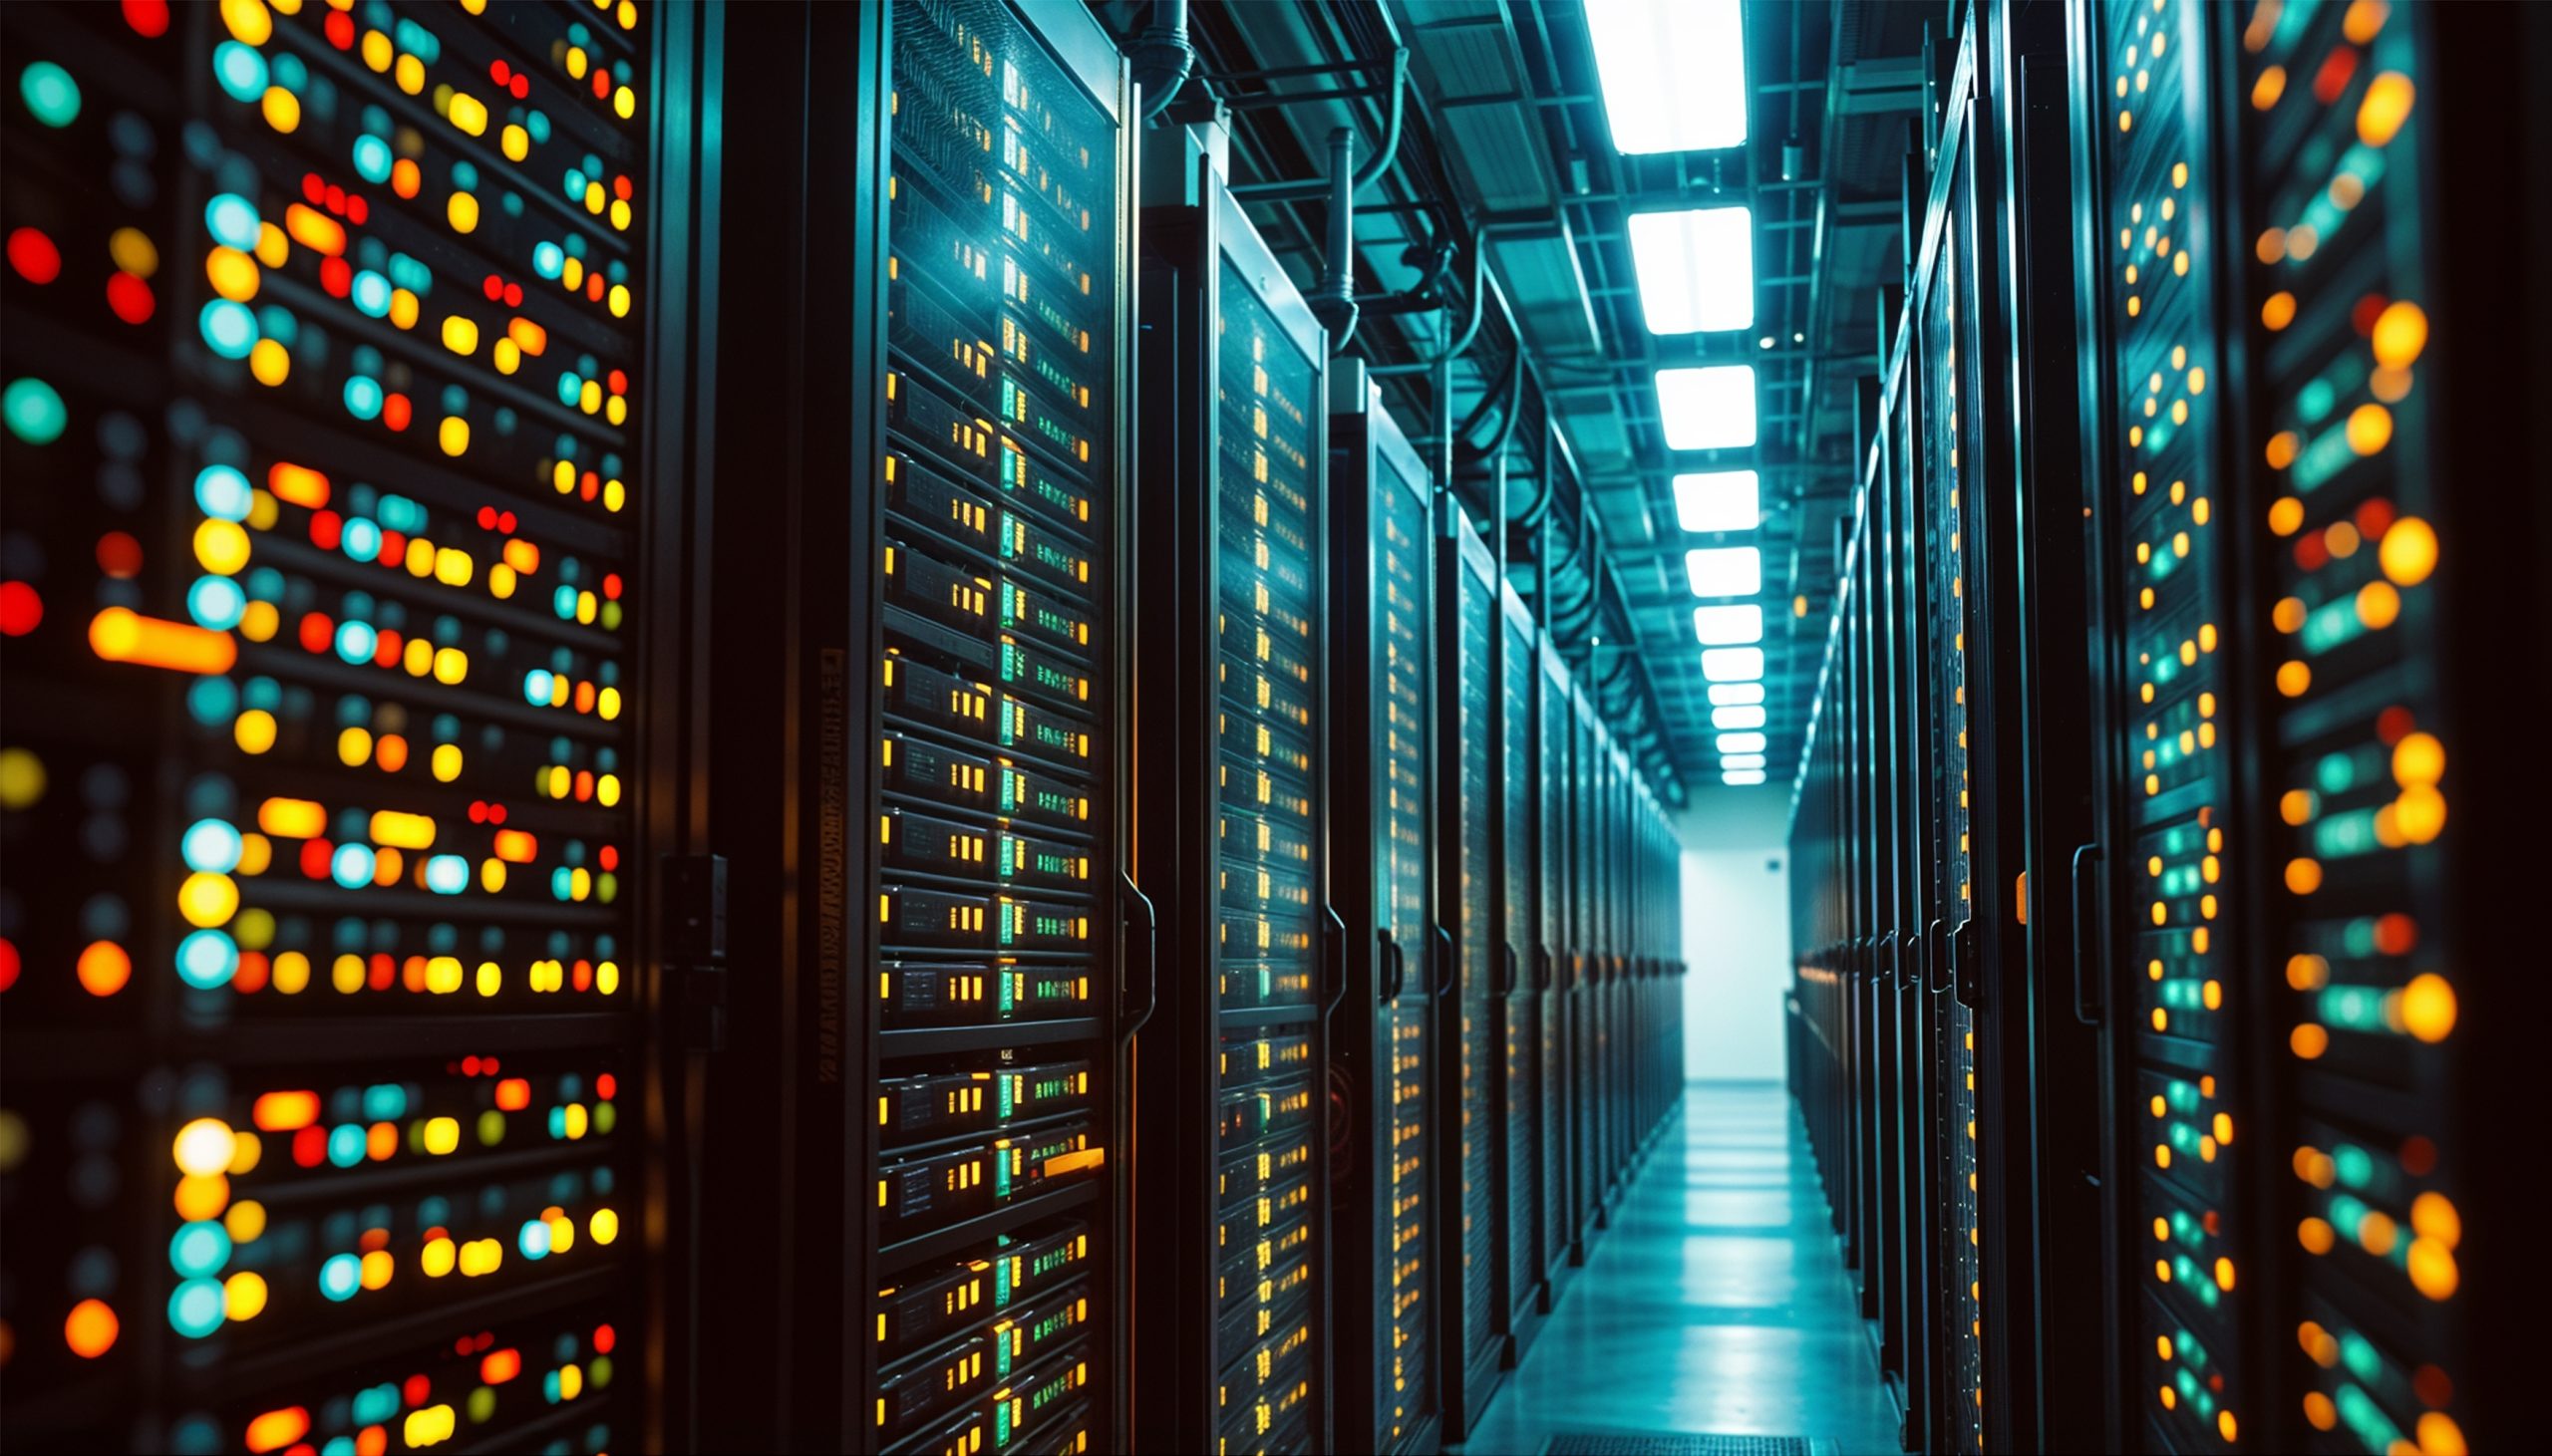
(1737,940)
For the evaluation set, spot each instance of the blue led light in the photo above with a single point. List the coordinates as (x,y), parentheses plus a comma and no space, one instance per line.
(229,329)
(537,685)
(199,1249)
(361,538)
(371,293)
(341,1277)
(352,865)
(534,1240)
(356,641)
(447,874)
(345,1144)
(211,848)
(232,221)
(363,396)
(385,1102)
(213,701)
(240,70)
(547,260)
(207,959)
(194,1308)
(563,601)
(216,603)
(223,494)
(372,159)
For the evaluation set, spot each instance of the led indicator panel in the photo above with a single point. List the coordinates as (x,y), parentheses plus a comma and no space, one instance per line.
(995,828)
(325,367)
(2359,771)
(1554,742)
(1466,763)
(2180,876)
(1269,624)
(1521,934)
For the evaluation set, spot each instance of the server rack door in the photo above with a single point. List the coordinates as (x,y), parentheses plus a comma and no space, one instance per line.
(331,728)
(1586,1070)
(1551,741)
(2181,1011)
(1232,763)
(1384,1036)
(1468,1113)
(1520,941)
(996,776)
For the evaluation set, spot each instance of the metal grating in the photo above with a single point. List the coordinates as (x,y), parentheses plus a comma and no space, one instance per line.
(1678,1443)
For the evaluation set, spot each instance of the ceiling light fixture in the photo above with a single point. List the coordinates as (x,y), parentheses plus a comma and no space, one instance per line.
(1736,717)
(1707,408)
(1719,501)
(1733,664)
(1741,777)
(1724,571)
(1742,761)
(1696,269)
(1743,742)
(1736,695)
(1729,625)
(1672,73)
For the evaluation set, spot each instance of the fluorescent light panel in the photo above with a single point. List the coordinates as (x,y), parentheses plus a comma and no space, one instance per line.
(1743,742)
(1733,664)
(1740,760)
(1696,269)
(1727,625)
(1719,501)
(1736,695)
(1672,73)
(1736,717)
(1707,408)
(1726,571)
(1741,777)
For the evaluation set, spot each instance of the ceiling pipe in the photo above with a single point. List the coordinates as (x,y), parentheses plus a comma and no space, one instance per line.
(1379,163)
(1162,56)
(1333,299)
(1470,331)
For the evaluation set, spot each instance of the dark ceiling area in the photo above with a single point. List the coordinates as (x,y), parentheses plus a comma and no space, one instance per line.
(1506,194)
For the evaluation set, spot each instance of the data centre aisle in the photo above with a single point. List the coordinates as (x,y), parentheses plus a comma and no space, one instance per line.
(1717,1305)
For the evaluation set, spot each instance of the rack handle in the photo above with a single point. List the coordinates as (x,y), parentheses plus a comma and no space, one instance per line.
(1136,918)
(2089,996)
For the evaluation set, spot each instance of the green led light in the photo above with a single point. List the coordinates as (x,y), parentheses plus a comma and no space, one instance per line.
(35,412)
(52,96)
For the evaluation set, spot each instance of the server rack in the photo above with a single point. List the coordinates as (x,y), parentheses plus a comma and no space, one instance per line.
(1386,1037)
(1233,822)
(2325,191)
(1467,1102)
(1555,738)
(1526,1004)
(342,448)
(1586,1181)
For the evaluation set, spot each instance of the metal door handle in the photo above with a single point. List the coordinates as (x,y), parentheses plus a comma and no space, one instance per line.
(2089,1009)
(1135,915)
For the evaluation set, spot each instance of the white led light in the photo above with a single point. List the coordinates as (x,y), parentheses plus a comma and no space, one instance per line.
(1707,408)
(1741,777)
(1743,742)
(1696,269)
(1740,760)
(1733,664)
(1719,501)
(1736,695)
(1724,571)
(1736,717)
(1672,73)
(1727,625)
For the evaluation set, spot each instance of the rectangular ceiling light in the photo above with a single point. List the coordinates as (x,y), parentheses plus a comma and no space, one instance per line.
(1672,73)
(1733,664)
(1736,717)
(1740,760)
(1696,269)
(1707,408)
(1719,501)
(1736,695)
(1741,777)
(1727,625)
(1726,571)
(1743,742)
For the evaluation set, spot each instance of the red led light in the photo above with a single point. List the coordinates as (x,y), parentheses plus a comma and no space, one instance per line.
(604,1339)
(2418,1156)
(327,528)
(337,276)
(478,811)
(394,548)
(499,1366)
(469,1066)
(130,298)
(147,16)
(417,1390)
(2393,725)
(2333,76)
(500,73)
(620,382)
(2370,308)
(496,813)
(120,555)
(514,1094)
(317,631)
(382,971)
(20,609)
(310,1146)
(582,975)
(395,411)
(487,1064)
(606,1086)
(2373,518)
(252,971)
(385,655)
(611,860)
(341,30)
(602,84)
(314,189)
(505,522)
(34,255)
(621,186)
(8,963)
(521,86)
(494,287)
(336,200)
(314,858)
(612,586)
(2311,554)
(513,295)
(357,209)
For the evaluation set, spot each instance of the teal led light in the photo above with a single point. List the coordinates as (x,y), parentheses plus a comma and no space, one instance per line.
(371,293)
(356,641)
(372,159)
(351,866)
(199,1249)
(363,398)
(211,846)
(385,1102)
(35,410)
(534,1240)
(447,874)
(240,70)
(346,1144)
(207,959)
(52,96)
(216,603)
(194,1308)
(233,220)
(229,329)
(341,1277)
(223,494)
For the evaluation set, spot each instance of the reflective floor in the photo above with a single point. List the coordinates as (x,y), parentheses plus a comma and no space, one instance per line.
(1716,1304)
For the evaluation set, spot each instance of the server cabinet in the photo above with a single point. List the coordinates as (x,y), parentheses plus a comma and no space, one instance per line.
(1523,961)
(1386,1037)
(1586,1174)
(340,445)
(1467,1104)
(1554,741)
(1232,701)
